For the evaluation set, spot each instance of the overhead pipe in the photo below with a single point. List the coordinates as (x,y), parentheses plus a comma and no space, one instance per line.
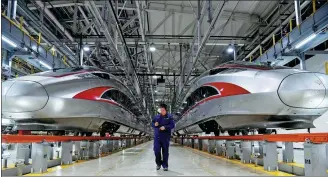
(145,49)
(61,48)
(54,19)
(298,12)
(277,29)
(209,8)
(217,13)
(12,8)
(86,19)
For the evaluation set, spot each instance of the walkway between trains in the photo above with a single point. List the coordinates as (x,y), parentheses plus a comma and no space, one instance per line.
(139,161)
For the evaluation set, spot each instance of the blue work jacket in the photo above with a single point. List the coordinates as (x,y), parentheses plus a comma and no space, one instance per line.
(166,121)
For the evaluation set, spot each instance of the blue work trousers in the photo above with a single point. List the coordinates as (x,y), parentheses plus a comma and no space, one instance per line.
(161,149)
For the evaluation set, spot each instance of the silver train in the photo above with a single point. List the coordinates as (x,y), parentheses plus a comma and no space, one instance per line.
(81,99)
(239,96)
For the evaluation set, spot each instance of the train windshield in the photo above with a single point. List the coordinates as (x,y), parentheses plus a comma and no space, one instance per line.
(237,66)
(58,72)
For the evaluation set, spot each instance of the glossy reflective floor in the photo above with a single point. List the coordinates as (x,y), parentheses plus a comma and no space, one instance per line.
(139,161)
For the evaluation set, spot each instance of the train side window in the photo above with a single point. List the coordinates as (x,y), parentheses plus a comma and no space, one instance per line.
(198,95)
(122,99)
(217,70)
(226,70)
(102,75)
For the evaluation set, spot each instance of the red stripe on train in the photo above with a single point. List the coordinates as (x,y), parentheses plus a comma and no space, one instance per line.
(92,94)
(225,89)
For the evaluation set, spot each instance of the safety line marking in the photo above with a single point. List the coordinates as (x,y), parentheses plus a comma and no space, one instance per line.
(274,173)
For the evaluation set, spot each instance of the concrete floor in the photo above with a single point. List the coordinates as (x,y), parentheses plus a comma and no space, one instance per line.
(140,161)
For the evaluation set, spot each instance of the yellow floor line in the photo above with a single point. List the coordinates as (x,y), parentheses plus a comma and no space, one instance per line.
(252,166)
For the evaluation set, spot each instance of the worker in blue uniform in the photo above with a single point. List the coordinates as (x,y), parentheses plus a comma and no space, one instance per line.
(162,123)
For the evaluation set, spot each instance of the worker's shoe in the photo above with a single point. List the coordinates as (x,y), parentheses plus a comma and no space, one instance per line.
(166,169)
(158,167)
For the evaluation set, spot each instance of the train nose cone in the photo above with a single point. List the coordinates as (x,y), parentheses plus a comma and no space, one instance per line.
(23,96)
(302,90)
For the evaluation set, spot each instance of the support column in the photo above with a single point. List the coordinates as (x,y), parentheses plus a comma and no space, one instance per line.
(298,12)
(67,152)
(205,144)
(220,148)
(77,149)
(92,150)
(116,144)
(185,141)
(270,156)
(200,144)
(23,152)
(246,152)
(315,159)
(196,143)
(234,52)
(302,61)
(50,151)
(211,146)
(288,152)
(230,154)
(40,157)
(327,155)
(192,143)
(110,145)
(104,146)
(12,8)
(84,151)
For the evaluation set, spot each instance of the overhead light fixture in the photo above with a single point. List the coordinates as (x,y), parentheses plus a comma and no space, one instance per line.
(230,49)
(86,48)
(156,91)
(155,77)
(45,65)
(34,47)
(185,102)
(306,40)
(152,48)
(25,48)
(156,100)
(8,41)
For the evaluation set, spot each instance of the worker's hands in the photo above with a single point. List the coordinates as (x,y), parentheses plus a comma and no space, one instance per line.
(162,128)
(156,124)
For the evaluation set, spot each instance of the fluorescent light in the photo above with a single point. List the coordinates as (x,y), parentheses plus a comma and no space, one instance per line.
(230,50)
(308,39)
(155,77)
(156,91)
(34,47)
(25,48)
(156,100)
(8,41)
(152,48)
(86,48)
(45,65)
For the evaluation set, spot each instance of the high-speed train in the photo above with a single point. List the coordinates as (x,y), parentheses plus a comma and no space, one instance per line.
(79,99)
(240,96)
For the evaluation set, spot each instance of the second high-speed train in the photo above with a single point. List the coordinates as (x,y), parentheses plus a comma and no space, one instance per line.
(80,99)
(239,96)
